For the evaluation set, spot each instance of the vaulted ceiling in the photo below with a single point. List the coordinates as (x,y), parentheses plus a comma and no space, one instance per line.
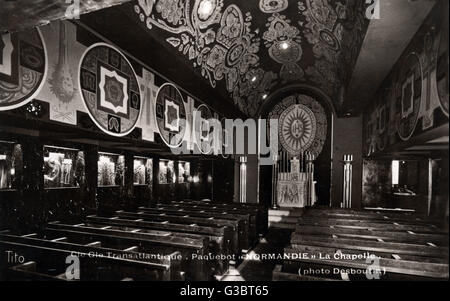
(245,51)
(248,50)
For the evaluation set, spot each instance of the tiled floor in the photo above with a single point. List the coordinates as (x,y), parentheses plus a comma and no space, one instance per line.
(261,270)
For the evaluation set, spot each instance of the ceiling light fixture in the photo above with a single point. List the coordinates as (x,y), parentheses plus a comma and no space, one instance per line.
(206,7)
(253,78)
(284,45)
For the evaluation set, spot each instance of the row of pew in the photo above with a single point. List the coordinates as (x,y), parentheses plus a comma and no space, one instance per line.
(185,240)
(343,244)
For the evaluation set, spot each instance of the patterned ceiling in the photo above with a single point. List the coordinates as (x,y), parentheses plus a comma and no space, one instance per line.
(19,15)
(250,49)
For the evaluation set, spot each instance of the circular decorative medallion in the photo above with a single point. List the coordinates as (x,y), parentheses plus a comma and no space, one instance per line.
(302,124)
(203,136)
(110,89)
(285,56)
(410,91)
(273,6)
(298,128)
(330,40)
(23,68)
(170,115)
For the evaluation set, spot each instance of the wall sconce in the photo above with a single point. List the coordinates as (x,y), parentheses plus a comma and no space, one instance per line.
(209,179)
(196,179)
(347,183)
(243,179)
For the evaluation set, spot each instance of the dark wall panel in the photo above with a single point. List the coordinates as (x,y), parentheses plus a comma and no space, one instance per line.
(347,140)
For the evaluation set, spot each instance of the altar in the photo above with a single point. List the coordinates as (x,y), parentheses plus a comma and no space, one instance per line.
(295,189)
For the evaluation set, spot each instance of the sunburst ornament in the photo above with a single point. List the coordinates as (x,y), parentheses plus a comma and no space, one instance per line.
(297,128)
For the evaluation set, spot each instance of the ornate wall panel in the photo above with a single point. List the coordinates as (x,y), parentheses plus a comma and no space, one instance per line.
(376,181)
(203,136)
(110,89)
(302,124)
(443,66)
(409,92)
(61,87)
(23,68)
(95,86)
(414,96)
(170,114)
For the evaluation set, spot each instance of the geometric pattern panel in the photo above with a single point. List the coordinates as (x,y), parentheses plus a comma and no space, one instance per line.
(170,114)
(443,81)
(409,93)
(110,89)
(203,131)
(414,96)
(297,128)
(23,66)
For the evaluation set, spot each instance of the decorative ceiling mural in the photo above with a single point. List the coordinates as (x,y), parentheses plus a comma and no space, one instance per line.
(249,49)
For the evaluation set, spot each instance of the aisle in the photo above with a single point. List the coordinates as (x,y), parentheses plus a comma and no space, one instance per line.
(254,269)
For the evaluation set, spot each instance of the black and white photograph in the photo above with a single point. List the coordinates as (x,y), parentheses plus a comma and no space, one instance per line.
(224,146)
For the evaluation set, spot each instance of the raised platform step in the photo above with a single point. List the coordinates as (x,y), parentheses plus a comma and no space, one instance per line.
(294,212)
(284,218)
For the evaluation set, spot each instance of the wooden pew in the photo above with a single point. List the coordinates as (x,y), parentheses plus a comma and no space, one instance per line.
(159,243)
(249,233)
(219,237)
(389,268)
(250,218)
(374,234)
(394,214)
(407,246)
(263,213)
(32,271)
(256,216)
(91,267)
(372,215)
(237,238)
(364,224)
(379,247)
(62,242)
(255,220)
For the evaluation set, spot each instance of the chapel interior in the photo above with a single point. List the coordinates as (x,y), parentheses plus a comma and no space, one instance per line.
(218,139)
